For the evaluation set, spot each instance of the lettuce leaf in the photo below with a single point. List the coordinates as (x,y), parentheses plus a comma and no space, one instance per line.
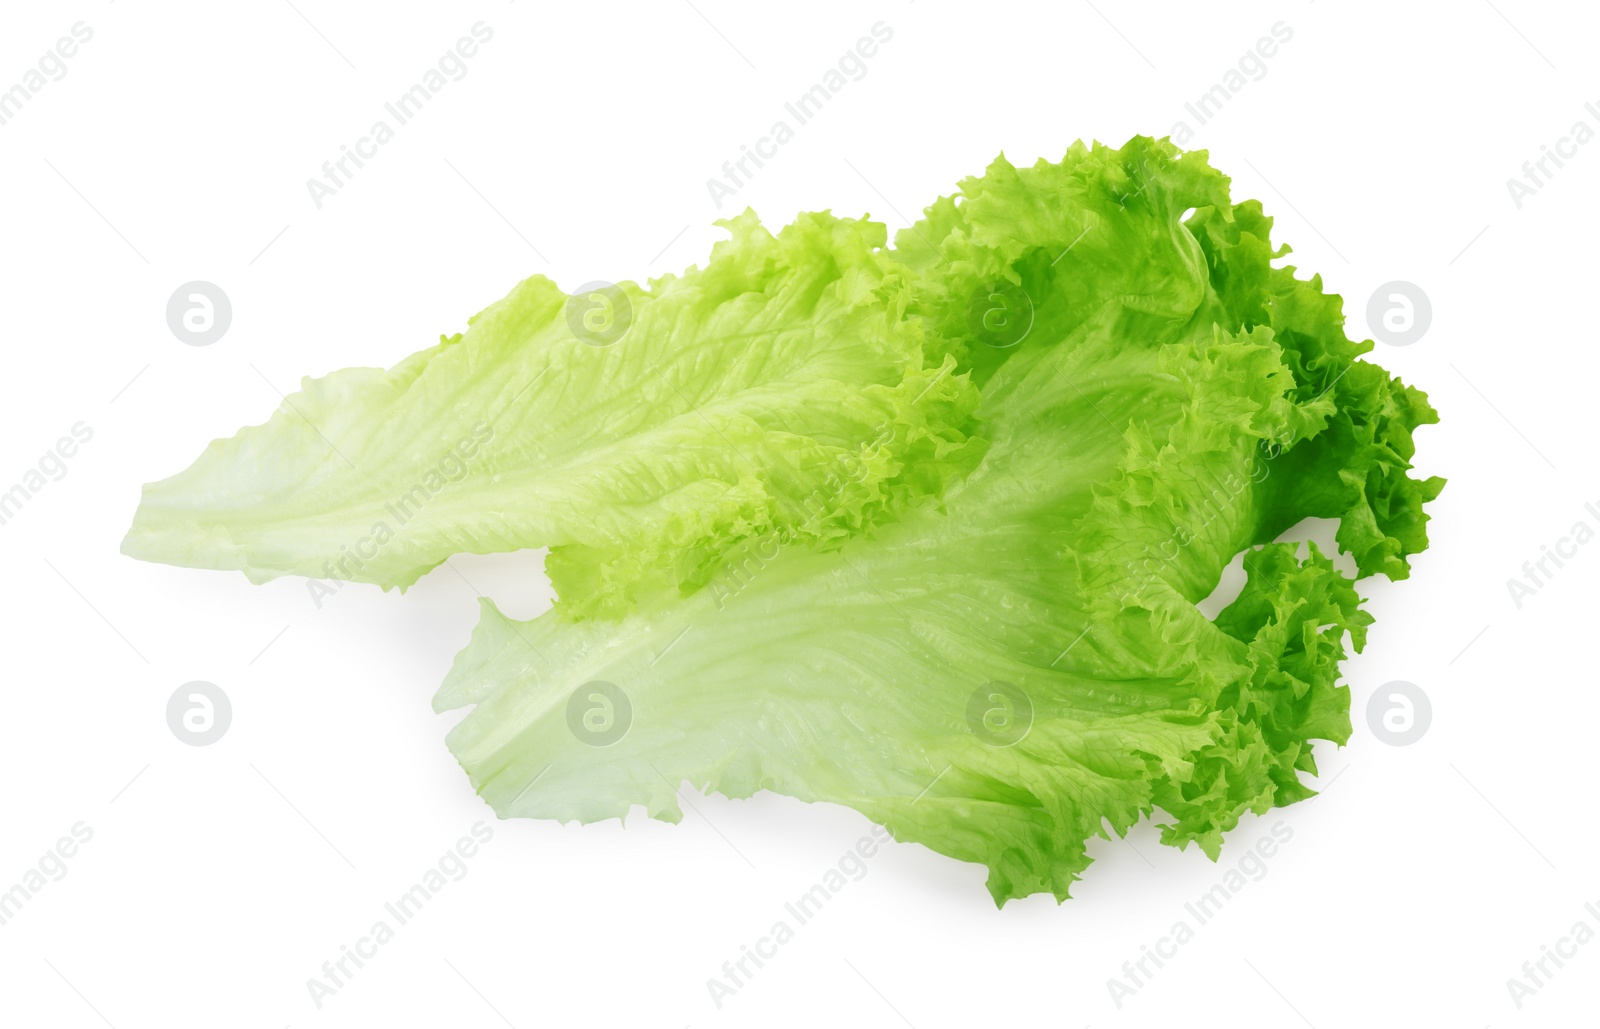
(1177,399)
(711,420)
(847,676)
(920,530)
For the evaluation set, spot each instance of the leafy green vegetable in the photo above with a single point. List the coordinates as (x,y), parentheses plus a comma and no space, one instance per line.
(733,388)
(815,561)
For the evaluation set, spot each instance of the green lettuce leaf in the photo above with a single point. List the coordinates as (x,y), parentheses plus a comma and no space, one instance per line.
(714,418)
(1021,667)
(919,530)
(851,676)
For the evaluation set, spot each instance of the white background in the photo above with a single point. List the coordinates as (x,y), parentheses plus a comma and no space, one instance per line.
(220,878)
